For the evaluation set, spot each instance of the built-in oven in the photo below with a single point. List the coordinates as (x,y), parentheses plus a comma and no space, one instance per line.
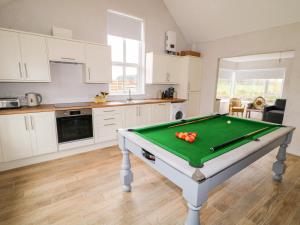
(74,125)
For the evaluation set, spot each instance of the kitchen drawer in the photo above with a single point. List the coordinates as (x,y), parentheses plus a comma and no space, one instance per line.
(107,111)
(106,131)
(102,119)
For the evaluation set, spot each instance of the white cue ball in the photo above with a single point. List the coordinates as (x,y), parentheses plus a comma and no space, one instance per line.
(229,121)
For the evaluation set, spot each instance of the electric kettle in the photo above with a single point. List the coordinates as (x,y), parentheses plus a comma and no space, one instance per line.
(33,99)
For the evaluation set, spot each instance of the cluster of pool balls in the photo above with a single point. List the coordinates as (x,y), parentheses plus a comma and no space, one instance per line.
(187,136)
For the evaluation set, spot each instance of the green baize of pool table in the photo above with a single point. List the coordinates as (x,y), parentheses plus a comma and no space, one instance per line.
(211,132)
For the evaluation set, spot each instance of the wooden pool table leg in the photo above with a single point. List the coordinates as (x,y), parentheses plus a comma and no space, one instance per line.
(193,215)
(279,166)
(126,174)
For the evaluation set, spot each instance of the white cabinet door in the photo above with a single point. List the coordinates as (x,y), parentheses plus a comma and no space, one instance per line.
(160,113)
(195,70)
(65,50)
(15,137)
(162,68)
(144,115)
(193,108)
(10,57)
(43,132)
(98,64)
(130,116)
(35,58)
(172,67)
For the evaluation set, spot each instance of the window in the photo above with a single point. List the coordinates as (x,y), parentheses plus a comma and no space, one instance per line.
(125,36)
(249,84)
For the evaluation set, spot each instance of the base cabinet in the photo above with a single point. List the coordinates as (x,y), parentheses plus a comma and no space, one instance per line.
(15,137)
(106,123)
(160,113)
(26,135)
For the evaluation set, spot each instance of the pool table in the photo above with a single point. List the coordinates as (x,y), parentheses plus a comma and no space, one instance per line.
(224,146)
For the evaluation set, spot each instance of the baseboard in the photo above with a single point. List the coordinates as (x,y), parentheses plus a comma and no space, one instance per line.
(55,155)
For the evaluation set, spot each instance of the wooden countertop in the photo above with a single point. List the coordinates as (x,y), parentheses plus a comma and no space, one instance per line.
(51,107)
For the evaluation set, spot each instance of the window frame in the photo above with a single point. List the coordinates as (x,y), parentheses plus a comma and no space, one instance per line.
(140,89)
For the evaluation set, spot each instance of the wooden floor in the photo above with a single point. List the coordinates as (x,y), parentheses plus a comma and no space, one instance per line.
(85,189)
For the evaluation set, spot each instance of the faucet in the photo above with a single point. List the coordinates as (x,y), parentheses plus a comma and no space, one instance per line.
(129,96)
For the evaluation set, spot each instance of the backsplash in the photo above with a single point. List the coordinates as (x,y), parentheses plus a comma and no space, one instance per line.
(67,86)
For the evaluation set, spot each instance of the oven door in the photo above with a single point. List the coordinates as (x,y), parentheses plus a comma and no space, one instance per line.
(74,128)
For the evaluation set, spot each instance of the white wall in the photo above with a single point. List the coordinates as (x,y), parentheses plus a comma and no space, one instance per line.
(272,40)
(87,19)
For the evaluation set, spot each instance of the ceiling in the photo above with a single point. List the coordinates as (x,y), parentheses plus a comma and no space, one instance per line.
(207,20)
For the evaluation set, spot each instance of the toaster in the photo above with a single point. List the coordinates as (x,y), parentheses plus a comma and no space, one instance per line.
(9,103)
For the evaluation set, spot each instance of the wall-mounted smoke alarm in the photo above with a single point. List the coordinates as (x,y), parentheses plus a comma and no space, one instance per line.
(171,42)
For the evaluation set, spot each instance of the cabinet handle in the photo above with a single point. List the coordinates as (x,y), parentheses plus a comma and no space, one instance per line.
(89,71)
(168,77)
(20,70)
(137,111)
(109,111)
(68,58)
(109,118)
(32,123)
(25,119)
(26,71)
(109,124)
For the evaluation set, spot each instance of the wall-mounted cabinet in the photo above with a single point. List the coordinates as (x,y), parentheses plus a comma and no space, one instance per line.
(23,58)
(66,50)
(26,135)
(162,68)
(98,64)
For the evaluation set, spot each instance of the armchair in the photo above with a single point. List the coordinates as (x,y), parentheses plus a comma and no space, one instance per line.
(275,113)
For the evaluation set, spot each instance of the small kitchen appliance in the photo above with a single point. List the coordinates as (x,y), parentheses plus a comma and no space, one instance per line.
(33,99)
(9,103)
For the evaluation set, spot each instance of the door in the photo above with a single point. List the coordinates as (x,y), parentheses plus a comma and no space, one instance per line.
(194,73)
(43,132)
(159,69)
(130,116)
(144,115)
(35,58)
(193,108)
(65,50)
(10,57)
(98,64)
(160,113)
(15,137)
(172,64)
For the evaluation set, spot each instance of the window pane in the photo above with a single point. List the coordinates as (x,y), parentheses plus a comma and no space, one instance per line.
(116,44)
(224,87)
(117,79)
(131,78)
(132,51)
(249,89)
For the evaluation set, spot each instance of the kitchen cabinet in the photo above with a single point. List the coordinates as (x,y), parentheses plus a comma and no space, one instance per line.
(23,58)
(15,137)
(106,121)
(160,113)
(193,104)
(10,57)
(43,132)
(98,64)
(66,50)
(162,68)
(35,63)
(190,79)
(26,135)
(137,115)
